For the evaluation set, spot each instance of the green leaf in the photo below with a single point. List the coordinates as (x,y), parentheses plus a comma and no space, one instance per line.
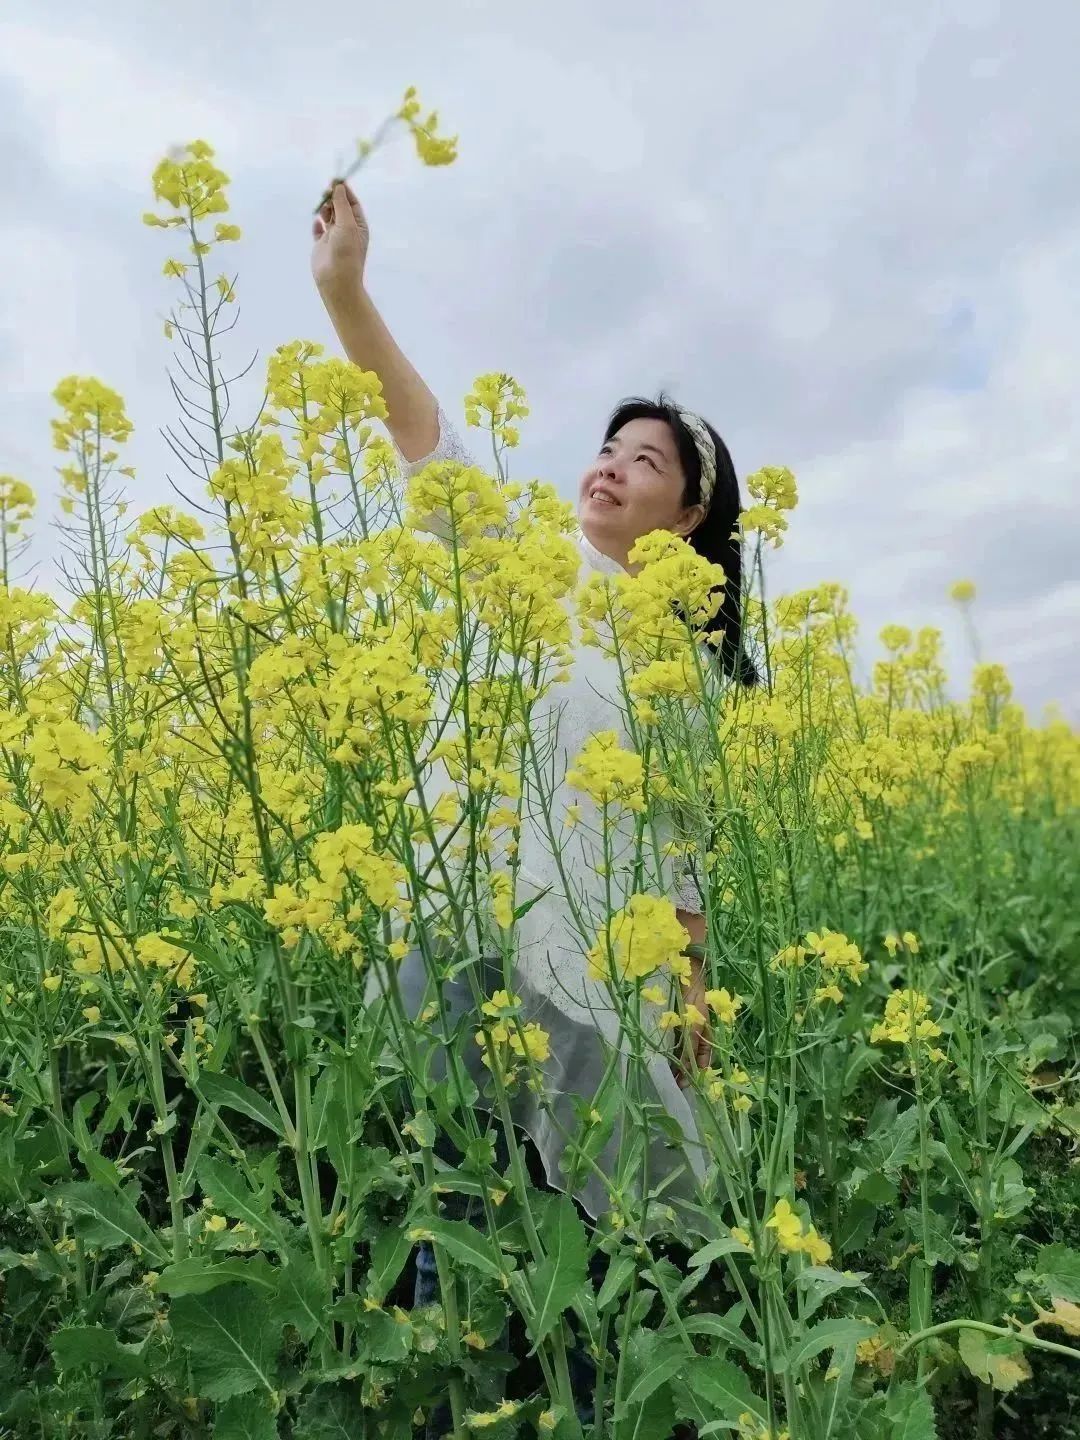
(721,1388)
(876,1189)
(243,1418)
(303,1298)
(651,1420)
(320,1101)
(891,1138)
(1011,1197)
(225,1092)
(910,1413)
(388,1256)
(561,1274)
(936,1239)
(1058,1268)
(824,1336)
(727,1327)
(231,1338)
(388,1338)
(663,1361)
(330,1412)
(593,1134)
(338,1134)
(466,1244)
(14,1260)
(422,1129)
(821,1281)
(616,1280)
(716,1250)
(994,1359)
(198,1275)
(231,1194)
(101,1170)
(217,963)
(108,1218)
(92,1346)
(527,905)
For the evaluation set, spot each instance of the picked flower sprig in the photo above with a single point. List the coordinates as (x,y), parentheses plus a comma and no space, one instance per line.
(431,147)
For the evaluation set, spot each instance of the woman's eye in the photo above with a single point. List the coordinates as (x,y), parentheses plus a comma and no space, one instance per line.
(649,458)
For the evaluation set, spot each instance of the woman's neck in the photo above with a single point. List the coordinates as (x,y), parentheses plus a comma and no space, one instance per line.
(597,558)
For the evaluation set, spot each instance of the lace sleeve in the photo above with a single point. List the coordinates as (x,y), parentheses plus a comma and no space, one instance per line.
(449,446)
(686,894)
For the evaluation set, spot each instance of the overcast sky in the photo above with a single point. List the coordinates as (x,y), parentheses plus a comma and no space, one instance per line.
(846,233)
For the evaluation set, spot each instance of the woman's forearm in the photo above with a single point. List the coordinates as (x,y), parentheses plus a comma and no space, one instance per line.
(693,924)
(412,409)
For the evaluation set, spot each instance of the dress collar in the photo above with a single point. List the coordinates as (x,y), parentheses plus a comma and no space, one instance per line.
(596,559)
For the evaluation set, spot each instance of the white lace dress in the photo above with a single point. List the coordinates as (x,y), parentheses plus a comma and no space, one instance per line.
(550,972)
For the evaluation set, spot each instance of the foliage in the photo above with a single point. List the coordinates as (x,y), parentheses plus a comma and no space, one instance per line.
(260,754)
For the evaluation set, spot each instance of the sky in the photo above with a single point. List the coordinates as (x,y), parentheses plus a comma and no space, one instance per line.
(848,235)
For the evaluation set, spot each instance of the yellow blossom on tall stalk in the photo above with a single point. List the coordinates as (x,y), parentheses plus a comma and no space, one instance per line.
(793,1237)
(494,403)
(838,955)
(513,1041)
(639,939)
(907,1021)
(774,489)
(609,774)
(270,752)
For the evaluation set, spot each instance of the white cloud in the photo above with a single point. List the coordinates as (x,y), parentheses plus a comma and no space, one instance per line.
(848,235)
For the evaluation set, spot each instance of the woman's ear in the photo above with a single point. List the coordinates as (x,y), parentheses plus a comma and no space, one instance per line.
(692,517)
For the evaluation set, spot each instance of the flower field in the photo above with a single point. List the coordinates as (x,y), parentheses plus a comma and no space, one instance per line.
(260,747)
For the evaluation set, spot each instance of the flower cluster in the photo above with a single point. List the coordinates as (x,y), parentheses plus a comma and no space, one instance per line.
(511,1041)
(907,1021)
(607,773)
(639,939)
(839,959)
(432,148)
(794,1237)
(495,402)
(773,487)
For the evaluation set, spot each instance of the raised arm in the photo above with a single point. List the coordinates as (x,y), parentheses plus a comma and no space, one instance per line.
(338,258)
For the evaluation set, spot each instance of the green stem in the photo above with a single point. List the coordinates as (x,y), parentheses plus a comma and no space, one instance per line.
(948,1326)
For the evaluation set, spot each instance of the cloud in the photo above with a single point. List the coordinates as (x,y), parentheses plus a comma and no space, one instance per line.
(848,235)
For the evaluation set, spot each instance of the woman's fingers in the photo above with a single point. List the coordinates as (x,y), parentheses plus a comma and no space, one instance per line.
(318,228)
(703,1048)
(695,1054)
(342,209)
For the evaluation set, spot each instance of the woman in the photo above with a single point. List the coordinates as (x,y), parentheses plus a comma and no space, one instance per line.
(659,467)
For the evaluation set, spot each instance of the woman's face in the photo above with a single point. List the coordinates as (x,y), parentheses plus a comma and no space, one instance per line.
(634,485)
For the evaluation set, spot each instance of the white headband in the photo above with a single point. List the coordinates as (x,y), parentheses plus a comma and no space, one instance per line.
(706,452)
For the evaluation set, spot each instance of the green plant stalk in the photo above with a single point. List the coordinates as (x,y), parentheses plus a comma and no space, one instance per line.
(924,1191)
(948,1327)
(168,1157)
(521,1180)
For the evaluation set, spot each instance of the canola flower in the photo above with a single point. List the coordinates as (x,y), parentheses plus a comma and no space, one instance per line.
(240,758)
(793,1237)
(643,937)
(907,1021)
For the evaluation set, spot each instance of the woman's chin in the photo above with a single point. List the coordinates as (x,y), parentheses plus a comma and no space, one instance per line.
(596,525)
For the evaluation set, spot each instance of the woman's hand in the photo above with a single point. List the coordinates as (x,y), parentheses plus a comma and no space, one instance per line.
(696,1048)
(341,237)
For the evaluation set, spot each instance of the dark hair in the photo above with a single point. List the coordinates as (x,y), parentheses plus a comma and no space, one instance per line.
(716,537)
